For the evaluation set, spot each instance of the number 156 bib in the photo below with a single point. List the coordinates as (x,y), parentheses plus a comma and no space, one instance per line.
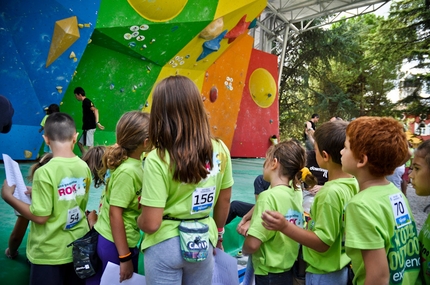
(203,199)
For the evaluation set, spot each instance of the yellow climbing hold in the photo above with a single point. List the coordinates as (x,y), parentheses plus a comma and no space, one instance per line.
(262,87)
(28,154)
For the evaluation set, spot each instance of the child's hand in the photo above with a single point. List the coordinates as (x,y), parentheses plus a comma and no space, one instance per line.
(28,192)
(274,221)
(91,217)
(7,191)
(125,270)
(243,227)
(100,126)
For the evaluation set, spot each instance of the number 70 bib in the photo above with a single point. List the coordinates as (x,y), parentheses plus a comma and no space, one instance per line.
(400,210)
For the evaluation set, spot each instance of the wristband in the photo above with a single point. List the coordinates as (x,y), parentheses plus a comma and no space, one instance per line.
(125,257)
(221,231)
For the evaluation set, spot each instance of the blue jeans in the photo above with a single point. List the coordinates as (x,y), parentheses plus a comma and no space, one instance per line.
(164,265)
(339,277)
(283,278)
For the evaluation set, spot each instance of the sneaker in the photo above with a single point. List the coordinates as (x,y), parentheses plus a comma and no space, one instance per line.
(8,255)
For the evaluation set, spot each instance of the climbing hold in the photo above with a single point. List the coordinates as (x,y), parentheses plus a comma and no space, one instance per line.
(28,154)
(213,94)
(238,30)
(134,28)
(59,89)
(211,46)
(144,27)
(213,29)
(72,55)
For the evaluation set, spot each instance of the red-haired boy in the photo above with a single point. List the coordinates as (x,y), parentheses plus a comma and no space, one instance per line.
(381,234)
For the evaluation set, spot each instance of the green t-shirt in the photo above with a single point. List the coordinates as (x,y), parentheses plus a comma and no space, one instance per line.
(277,252)
(181,200)
(380,217)
(43,121)
(326,221)
(123,189)
(60,191)
(424,238)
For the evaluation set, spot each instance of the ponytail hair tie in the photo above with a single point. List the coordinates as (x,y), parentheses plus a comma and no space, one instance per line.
(305,172)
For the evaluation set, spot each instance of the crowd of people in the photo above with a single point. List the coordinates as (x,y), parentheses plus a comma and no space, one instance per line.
(168,177)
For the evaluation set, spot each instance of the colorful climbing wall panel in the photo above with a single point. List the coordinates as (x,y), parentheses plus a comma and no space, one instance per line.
(117,51)
(258,118)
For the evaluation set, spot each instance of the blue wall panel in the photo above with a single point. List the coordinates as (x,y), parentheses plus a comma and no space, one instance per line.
(26,30)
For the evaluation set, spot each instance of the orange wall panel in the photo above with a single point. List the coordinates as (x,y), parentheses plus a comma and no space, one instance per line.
(227,75)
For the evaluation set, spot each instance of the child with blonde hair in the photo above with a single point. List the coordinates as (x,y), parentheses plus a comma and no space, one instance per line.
(273,253)
(116,224)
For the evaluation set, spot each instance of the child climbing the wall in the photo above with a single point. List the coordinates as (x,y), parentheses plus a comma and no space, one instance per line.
(381,234)
(116,224)
(323,242)
(273,253)
(420,177)
(21,223)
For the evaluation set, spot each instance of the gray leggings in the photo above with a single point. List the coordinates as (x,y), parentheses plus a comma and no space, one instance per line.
(164,265)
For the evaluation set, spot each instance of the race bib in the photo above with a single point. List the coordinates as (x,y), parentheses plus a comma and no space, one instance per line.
(73,217)
(400,210)
(203,199)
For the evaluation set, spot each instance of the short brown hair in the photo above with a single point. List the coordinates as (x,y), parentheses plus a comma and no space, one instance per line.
(330,137)
(382,140)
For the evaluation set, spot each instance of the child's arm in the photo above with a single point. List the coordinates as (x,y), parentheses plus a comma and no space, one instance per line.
(243,226)
(150,219)
(376,265)
(275,221)
(251,245)
(18,205)
(221,210)
(120,239)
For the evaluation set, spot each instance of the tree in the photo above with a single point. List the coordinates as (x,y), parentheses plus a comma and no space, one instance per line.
(335,72)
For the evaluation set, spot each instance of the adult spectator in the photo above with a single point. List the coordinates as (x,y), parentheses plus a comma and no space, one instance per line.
(308,132)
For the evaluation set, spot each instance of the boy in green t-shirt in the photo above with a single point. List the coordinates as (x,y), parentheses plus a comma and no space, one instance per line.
(381,234)
(323,241)
(59,198)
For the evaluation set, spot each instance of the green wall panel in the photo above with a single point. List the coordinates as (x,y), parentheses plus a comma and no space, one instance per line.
(115,82)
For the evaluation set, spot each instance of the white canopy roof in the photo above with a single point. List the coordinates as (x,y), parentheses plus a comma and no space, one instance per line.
(284,18)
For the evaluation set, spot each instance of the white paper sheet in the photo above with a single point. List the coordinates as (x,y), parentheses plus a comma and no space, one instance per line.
(14,177)
(225,269)
(111,277)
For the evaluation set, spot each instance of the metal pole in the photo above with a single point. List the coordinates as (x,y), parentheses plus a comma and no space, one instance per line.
(284,47)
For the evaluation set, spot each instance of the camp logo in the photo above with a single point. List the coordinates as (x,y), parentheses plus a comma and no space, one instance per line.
(69,188)
(404,254)
(295,217)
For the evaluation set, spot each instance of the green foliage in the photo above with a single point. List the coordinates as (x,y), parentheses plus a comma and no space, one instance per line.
(335,72)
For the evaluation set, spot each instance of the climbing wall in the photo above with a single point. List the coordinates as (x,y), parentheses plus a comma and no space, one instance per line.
(118,50)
